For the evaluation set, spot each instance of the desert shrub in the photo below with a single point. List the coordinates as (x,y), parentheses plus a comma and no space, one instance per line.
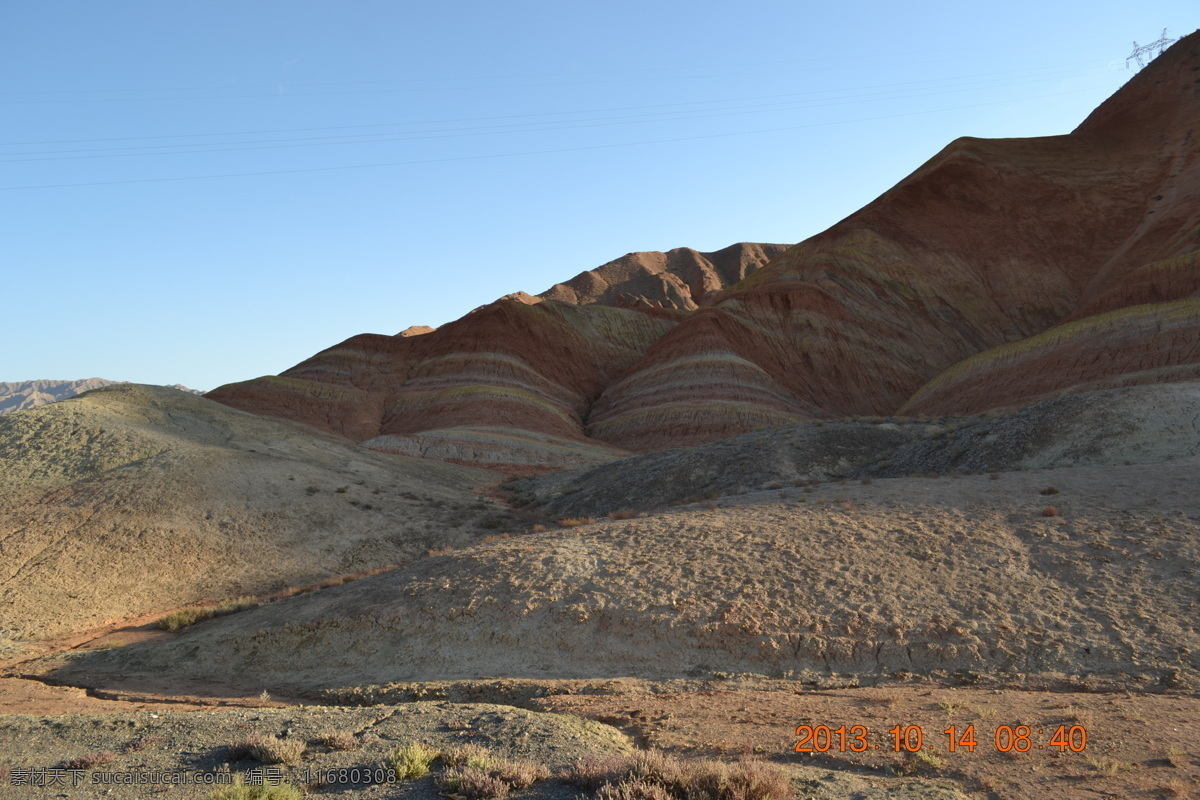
(625,514)
(279,751)
(1049,490)
(89,761)
(267,749)
(468,755)
(650,775)
(233,605)
(633,790)
(238,790)
(590,772)
(476,774)
(520,774)
(575,522)
(312,489)
(493,522)
(341,740)
(342,489)
(182,618)
(472,784)
(140,743)
(922,762)
(412,760)
(1049,511)
(178,620)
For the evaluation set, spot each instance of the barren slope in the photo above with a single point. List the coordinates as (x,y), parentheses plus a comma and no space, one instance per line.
(130,499)
(1140,424)
(906,575)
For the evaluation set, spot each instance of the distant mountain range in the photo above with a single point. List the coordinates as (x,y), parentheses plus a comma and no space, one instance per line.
(29,394)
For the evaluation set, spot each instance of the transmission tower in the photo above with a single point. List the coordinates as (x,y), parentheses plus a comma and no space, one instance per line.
(1144,54)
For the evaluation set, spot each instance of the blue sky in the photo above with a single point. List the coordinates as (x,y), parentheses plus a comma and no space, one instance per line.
(204,192)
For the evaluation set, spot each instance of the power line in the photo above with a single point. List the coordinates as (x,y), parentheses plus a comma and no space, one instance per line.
(867,92)
(528,152)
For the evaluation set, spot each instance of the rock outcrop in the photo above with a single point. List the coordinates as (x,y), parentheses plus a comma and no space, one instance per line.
(681,278)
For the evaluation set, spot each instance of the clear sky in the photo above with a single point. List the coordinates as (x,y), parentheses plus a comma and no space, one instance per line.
(205,191)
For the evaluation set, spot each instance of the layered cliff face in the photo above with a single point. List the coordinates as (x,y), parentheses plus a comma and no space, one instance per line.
(986,245)
(509,383)
(999,273)
(681,278)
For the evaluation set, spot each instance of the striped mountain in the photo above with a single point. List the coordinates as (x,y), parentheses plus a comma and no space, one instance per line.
(999,273)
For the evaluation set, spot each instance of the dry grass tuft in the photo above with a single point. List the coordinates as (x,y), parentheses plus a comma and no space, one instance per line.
(651,775)
(182,618)
(238,790)
(472,784)
(267,749)
(89,761)
(468,755)
(626,514)
(1106,766)
(575,522)
(1050,511)
(591,772)
(474,773)
(341,740)
(1049,490)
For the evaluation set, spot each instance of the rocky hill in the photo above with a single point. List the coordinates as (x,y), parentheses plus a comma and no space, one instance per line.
(31,394)
(132,499)
(988,278)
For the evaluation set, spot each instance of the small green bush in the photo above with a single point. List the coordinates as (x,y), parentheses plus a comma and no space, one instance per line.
(412,760)
(238,790)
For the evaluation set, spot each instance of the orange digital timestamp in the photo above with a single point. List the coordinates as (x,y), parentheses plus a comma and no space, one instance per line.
(912,739)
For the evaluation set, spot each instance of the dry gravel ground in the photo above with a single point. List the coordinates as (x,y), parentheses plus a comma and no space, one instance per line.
(131,499)
(195,747)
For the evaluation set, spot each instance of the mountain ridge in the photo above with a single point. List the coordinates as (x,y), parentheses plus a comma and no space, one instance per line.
(988,244)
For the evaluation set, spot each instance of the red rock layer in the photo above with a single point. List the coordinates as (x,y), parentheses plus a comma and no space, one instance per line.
(1155,343)
(990,242)
(523,367)
(680,278)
